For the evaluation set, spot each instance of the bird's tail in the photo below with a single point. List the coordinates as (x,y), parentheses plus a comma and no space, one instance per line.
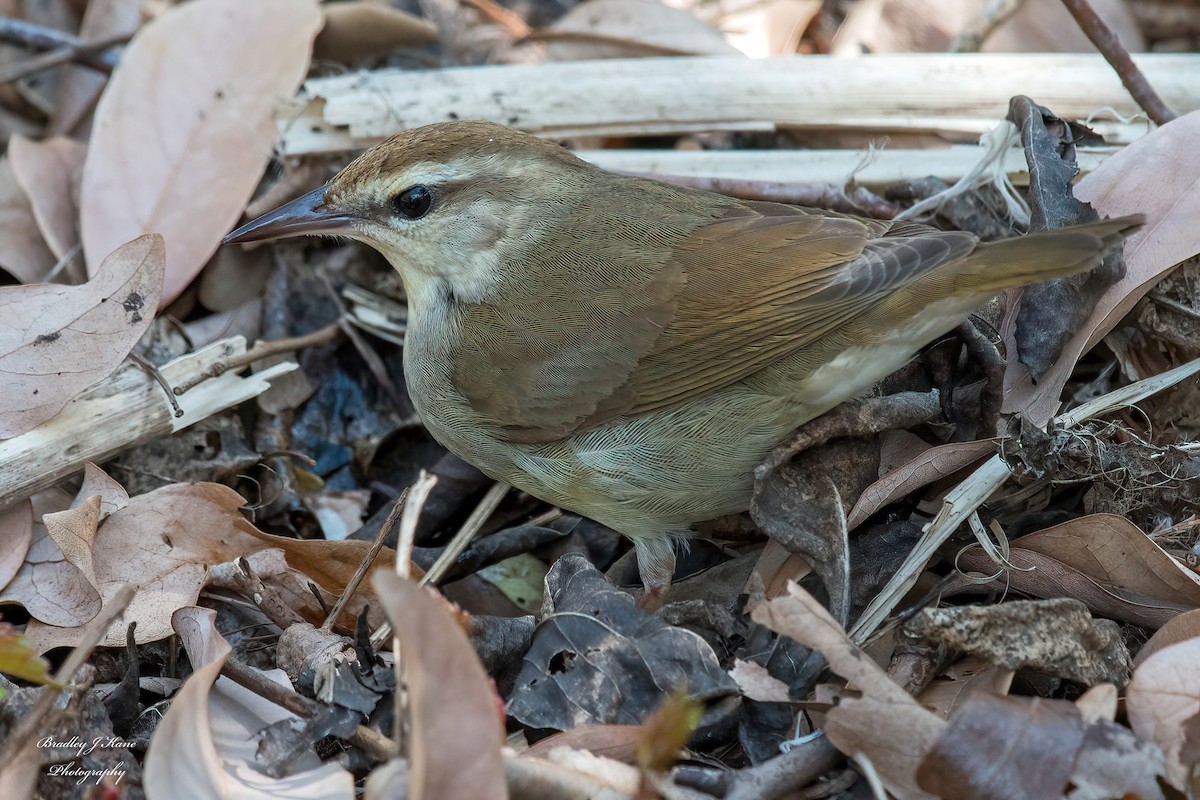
(1041,256)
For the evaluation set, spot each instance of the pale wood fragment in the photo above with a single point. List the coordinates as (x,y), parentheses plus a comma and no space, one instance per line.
(126,409)
(955,95)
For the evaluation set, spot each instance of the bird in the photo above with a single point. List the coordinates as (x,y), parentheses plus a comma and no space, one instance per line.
(631,350)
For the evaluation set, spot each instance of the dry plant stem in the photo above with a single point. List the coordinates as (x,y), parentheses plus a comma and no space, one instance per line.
(40,37)
(407,537)
(61,55)
(153,372)
(965,499)
(262,350)
(862,418)
(364,565)
(373,743)
(374,362)
(1115,53)
(494,12)
(960,96)
(239,577)
(822,195)
(27,728)
(785,773)
(588,37)
(453,550)
(411,503)
(470,529)
(870,170)
(976,32)
(122,411)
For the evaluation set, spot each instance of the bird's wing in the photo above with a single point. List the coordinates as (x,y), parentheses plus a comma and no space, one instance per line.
(619,333)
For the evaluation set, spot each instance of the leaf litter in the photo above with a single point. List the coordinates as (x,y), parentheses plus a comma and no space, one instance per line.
(264,536)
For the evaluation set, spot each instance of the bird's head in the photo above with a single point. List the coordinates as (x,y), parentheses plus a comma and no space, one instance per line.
(444,203)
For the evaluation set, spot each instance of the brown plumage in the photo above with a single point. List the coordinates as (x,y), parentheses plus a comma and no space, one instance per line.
(629,349)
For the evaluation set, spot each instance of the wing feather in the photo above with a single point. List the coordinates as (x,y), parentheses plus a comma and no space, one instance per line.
(656,315)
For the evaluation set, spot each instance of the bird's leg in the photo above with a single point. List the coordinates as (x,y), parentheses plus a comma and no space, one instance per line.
(656,565)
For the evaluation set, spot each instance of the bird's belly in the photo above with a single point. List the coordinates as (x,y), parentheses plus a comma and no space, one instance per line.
(655,473)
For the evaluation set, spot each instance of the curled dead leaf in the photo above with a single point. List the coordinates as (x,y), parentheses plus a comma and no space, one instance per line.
(184,129)
(456,724)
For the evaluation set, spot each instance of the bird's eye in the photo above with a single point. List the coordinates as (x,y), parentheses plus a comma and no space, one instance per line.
(414,202)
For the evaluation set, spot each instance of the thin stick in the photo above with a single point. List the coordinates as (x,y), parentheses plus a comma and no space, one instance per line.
(158,377)
(1115,53)
(352,586)
(453,550)
(467,533)
(374,744)
(977,30)
(20,737)
(61,55)
(259,351)
(374,362)
(41,37)
(408,523)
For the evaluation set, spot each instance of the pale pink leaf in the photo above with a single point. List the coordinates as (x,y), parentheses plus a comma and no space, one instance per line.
(81,85)
(56,341)
(185,127)
(49,174)
(97,483)
(16,534)
(1163,695)
(23,251)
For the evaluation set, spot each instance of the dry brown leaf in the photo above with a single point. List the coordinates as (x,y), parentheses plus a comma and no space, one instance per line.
(23,251)
(1155,176)
(56,341)
(360,30)
(1111,549)
(885,725)
(74,531)
(49,173)
(97,483)
(1011,748)
(1039,575)
(1178,629)
(456,723)
(205,746)
(81,85)
(16,534)
(185,127)
(1163,695)
(48,586)
(961,681)
(932,465)
(628,29)
(163,543)
(618,742)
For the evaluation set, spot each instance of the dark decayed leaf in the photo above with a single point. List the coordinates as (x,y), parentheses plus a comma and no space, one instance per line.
(596,658)
(1017,748)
